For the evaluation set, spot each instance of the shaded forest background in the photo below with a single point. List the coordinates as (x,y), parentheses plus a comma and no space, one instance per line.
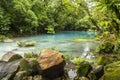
(26,17)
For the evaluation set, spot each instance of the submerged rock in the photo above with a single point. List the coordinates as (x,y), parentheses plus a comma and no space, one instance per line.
(51,63)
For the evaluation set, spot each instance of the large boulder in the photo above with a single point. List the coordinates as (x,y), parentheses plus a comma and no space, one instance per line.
(112,71)
(51,63)
(18,69)
(8,70)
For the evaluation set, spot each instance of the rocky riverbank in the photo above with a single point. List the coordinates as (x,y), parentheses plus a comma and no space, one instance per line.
(52,65)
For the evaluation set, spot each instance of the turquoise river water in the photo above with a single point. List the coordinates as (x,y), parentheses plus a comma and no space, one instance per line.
(62,42)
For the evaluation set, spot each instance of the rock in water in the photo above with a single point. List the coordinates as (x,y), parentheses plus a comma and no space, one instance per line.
(25,43)
(7,40)
(51,63)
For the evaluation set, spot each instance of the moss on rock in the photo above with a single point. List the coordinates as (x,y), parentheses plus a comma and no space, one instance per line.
(25,43)
(112,71)
(15,57)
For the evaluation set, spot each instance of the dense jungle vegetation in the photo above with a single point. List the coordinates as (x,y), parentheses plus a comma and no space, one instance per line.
(23,17)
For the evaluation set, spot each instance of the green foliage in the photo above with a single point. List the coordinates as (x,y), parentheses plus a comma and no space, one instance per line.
(4,22)
(25,17)
(106,47)
(117,47)
(36,16)
(77,60)
(1,38)
(109,43)
(106,13)
(30,55)
(112,71)
(50,30)
(103,60)
(24,65)
(67,57)
(83,68)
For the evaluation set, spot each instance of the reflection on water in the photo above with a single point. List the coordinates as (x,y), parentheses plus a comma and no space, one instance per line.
(60,41)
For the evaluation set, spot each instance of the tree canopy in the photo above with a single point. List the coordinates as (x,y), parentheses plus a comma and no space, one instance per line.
(50,16)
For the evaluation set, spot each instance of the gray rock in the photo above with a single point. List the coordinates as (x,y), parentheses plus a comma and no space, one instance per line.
(7,56)
(8,70)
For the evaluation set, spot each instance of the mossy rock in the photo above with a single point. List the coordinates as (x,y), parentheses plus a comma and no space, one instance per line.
(103,60)
(83,68)
(25,43)
(15,57)
(112,71)
(29,43)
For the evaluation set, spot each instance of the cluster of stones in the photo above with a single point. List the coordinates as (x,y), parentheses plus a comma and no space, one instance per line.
(48,65)
(51,65)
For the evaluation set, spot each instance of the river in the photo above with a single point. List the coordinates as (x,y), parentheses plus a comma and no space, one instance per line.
(62,41)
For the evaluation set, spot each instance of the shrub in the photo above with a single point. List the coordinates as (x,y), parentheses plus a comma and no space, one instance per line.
(106,47)
(30,55)
(83,68)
